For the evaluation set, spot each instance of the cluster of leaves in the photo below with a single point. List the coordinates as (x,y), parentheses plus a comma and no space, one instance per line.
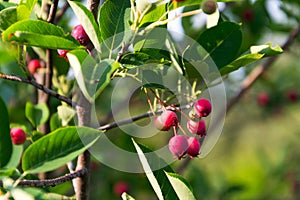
(119,25)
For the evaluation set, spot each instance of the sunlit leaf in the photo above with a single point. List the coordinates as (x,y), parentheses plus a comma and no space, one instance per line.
(57,148)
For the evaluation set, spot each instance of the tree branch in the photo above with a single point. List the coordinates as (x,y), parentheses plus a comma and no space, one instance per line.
(38,86)
(93,6)
(51,182)
(259,70)
(61,12)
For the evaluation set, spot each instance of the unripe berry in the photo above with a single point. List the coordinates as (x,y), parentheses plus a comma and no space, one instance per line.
(18,136)
(80,35)
(209,6)
(194,147)
(178,145)
(197,127)
(166,120)
(33,65)
(202,107)
(120,187)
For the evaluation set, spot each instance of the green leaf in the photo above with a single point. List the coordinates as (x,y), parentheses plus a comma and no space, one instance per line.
(55,122)
(15,156)
(91,77)
(222,42)
(37,114)
(88,22)
(9,172)
(66,114)
(152,79)
(195,2)
(255,53)
(181,186)
(8,16)
(57,148)
(158,178)
(5,141)
(36,194)
(153,15)
(78,59)
(113,18)
(4,5)
(39,33)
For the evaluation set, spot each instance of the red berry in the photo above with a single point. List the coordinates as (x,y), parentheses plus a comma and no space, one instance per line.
(197,127)
(79,34)
(178,145)
(120,187)
(248,15)
(194,147)
(209,6)
(18,136)
(263,99)
(33,65)
(292,95)
(166,120)
(202,107)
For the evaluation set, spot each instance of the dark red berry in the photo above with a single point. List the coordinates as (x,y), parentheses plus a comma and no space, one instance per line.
(178,145)
(202,107)
(194,147)
(292,95)
(120,187)
(263,99)
(197,127)
(248,15)
(209,6)
(80,35)
(18,136)
(33,65)
(166,120)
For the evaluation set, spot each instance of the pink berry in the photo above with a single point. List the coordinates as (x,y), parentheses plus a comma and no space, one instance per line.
(166,120)
(178,145)
(194,147)
(80,35)
(33,65)
(209,6)
(120,187)
(263,99)
(197,127)
(202,107)
(18,136)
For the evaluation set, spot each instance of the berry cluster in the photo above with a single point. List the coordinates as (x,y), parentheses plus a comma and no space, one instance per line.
(180,145)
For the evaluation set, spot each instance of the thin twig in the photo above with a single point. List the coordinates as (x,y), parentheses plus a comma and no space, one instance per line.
(51,182)
(38,86)
(52,12)
(93,6)
(141,116)
(60,13)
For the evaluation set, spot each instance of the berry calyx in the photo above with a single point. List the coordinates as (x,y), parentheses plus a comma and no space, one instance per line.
(178,146)
(202,107)
(33,65)
(80,35)
(209,6)
(18,136)
(62,52)
(166,120)
(197,127)
(194,147)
